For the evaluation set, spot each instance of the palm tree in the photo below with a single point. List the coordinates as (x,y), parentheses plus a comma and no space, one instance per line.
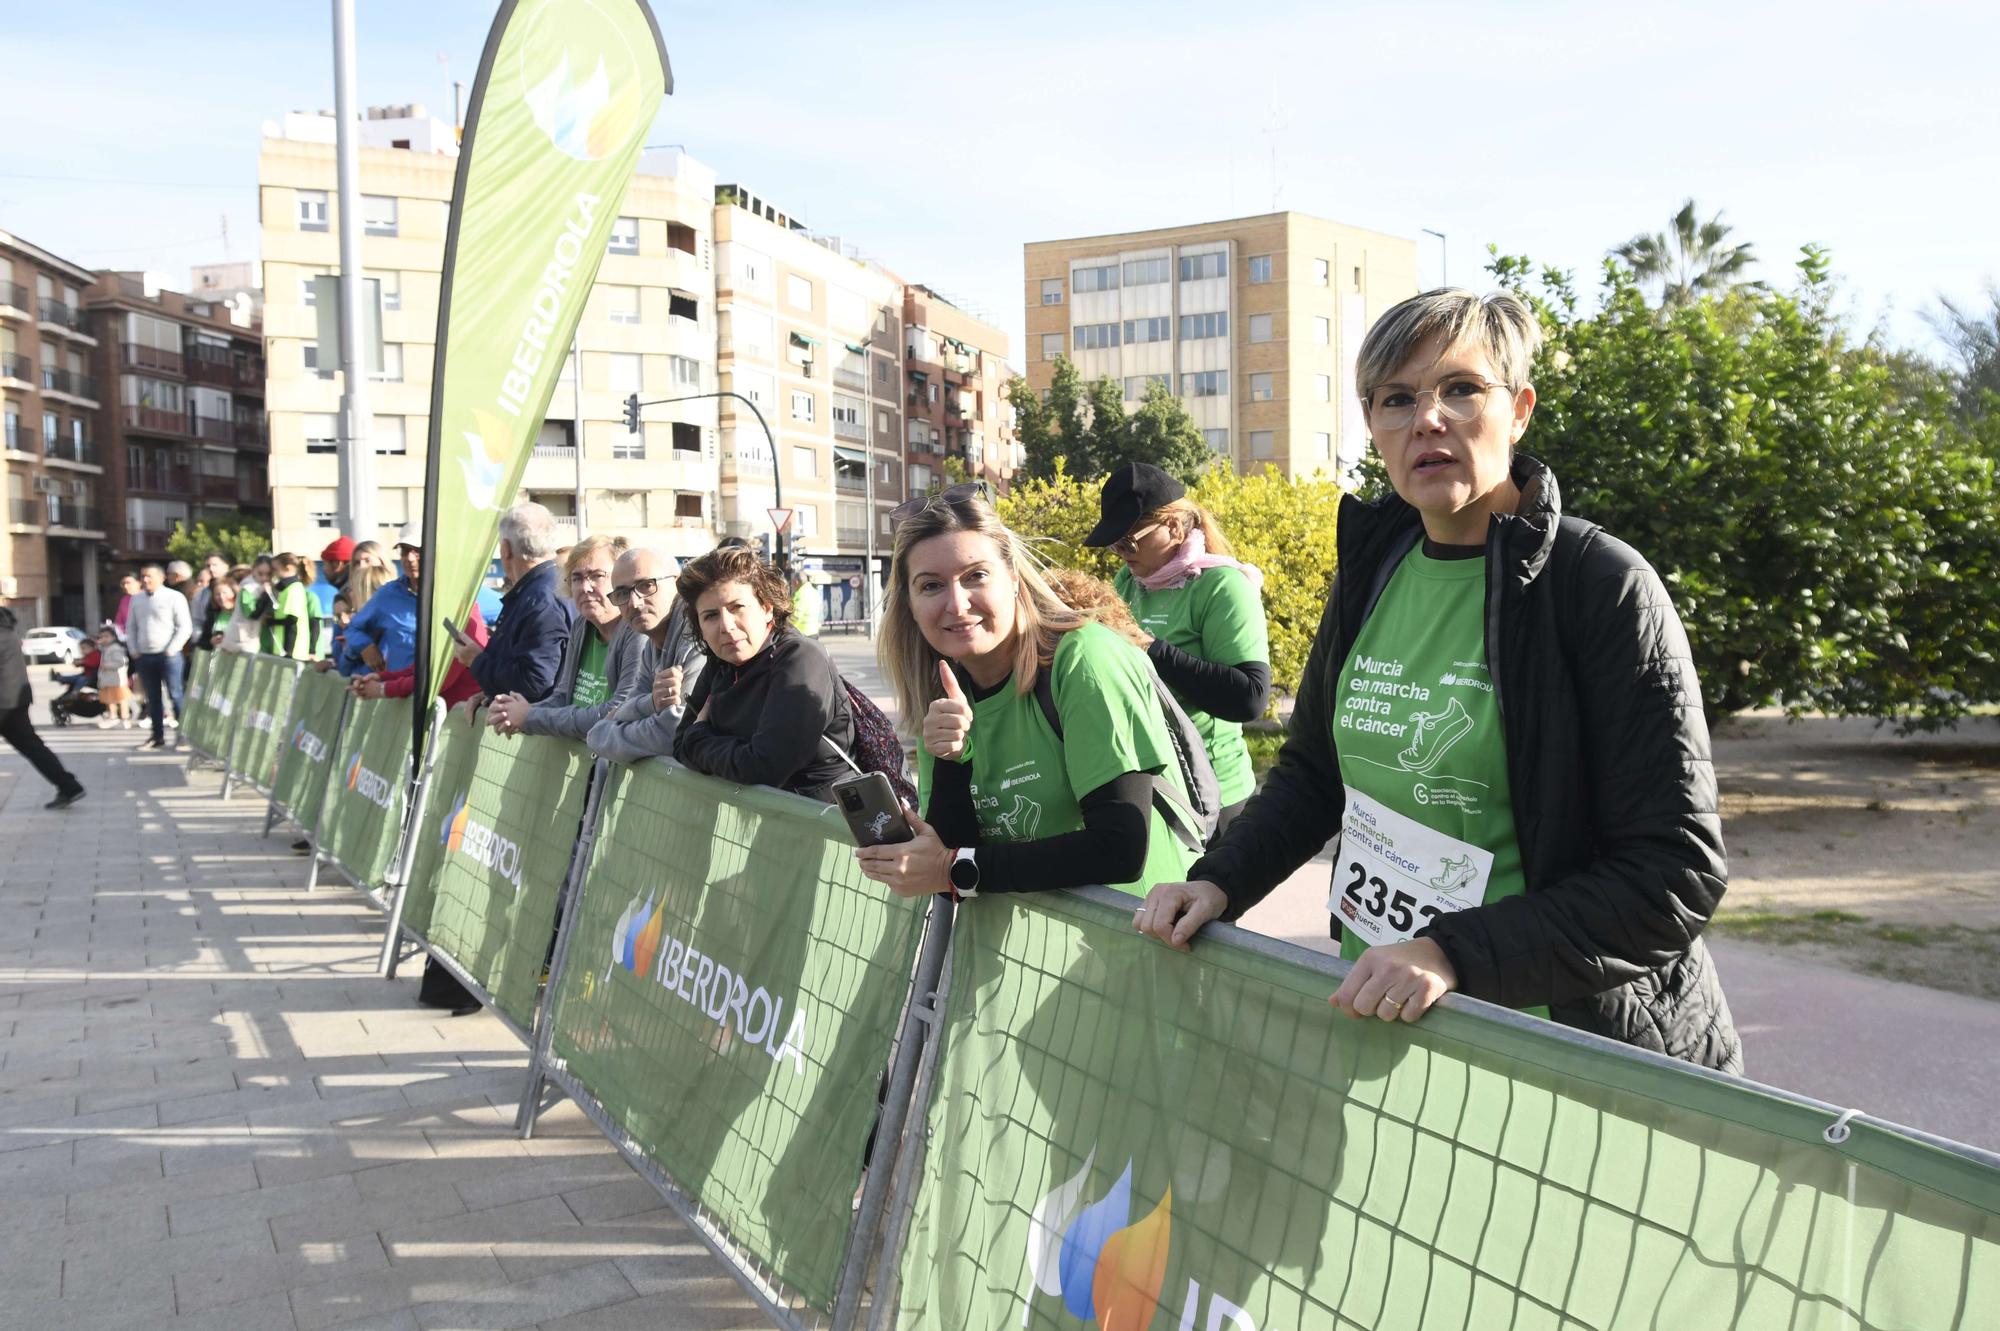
(1693,259)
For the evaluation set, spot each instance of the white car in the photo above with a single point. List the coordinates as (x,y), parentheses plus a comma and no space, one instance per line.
(52,644)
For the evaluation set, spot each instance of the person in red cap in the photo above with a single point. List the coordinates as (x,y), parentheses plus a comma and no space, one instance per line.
(332,580)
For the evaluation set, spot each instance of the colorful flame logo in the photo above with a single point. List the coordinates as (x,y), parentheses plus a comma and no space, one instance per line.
(298,735)
(1104,1268)
(354,771)
(451,833)
(483,471)
(585,120)
(635,943)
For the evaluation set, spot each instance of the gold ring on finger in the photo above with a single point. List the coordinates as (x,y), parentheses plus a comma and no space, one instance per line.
(1394,1004)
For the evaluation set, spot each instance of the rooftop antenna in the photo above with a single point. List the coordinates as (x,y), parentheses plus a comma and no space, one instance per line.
(225,237)
(1275,125)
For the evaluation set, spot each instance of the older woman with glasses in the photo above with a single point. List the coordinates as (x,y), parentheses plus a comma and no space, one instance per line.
(1505,701)
(599,667)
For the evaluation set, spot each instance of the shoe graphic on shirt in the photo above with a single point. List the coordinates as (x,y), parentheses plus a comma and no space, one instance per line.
(1454,874)
(1435,734)
(1023,820)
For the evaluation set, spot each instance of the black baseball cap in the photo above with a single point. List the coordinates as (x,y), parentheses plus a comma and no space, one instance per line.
(1129,493)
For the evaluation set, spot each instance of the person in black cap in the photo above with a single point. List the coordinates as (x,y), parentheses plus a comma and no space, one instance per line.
(1202,608)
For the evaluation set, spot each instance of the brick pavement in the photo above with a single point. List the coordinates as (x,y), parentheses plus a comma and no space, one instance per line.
(212,1114)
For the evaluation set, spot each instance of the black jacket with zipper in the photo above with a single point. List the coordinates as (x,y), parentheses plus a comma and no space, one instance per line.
(1608,761)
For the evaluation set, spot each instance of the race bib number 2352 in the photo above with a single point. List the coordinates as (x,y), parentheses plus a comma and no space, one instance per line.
(1394,875)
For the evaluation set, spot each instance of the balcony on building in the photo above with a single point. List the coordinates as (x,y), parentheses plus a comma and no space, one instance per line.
(208,364)
(156,420)
(27,512)
(64,318)
(17,370)
(155,360)
(70,384)
(850,471)
(250,434)
(68,448)
(70,516)
(215,429)
(14,301)
(148,540)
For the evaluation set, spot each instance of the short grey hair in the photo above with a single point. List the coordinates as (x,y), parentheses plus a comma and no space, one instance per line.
(179,568)
(1498,323)
(530,529)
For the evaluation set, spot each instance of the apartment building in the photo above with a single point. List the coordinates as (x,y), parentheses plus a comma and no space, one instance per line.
(53,556)
(183,420)
(649,327)
(954,402)
(1254,322)
(812,333)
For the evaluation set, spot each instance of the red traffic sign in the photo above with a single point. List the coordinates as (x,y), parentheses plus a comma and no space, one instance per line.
(781,518)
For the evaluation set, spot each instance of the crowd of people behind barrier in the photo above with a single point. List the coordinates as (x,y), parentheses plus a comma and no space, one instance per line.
(1498,725)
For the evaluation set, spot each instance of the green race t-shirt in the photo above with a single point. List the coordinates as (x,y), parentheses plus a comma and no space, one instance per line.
(1217,617)
(1026,782)
(592,685)
(1428,821)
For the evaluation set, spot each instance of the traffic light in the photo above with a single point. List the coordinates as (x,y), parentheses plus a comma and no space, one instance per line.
(764,546)
(632,414)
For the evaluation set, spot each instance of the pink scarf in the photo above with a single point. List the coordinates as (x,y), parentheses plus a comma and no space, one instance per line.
(1188,563)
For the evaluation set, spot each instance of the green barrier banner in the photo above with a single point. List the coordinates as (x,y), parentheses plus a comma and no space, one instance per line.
(729,996)
(194,704)
(210,725)
(1127,1137)
(366,811)
(305,756)
(252,693)
(451,772)
(507,838)
(565,95)
(261,726)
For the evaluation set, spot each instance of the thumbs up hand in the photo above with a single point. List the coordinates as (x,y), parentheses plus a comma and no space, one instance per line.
(948,722)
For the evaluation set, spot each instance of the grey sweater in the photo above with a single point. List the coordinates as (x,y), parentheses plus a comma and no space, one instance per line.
(634,730)
(557,715)
(159,622)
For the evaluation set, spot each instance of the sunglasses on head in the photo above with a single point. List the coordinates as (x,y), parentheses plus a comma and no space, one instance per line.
(954,494)
(623,593)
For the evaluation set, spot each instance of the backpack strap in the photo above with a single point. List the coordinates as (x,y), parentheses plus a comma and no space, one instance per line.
(1177,819)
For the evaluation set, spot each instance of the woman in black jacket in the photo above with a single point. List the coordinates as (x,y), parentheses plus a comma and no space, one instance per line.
(770,703)
(1506,702)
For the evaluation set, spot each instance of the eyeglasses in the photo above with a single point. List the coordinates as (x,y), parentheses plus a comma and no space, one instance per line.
(954,494)
(623,593)
(589,577)
(1129,543)
(1457,400)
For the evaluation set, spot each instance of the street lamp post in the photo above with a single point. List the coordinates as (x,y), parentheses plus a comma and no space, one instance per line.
(632,405)
(1444,257)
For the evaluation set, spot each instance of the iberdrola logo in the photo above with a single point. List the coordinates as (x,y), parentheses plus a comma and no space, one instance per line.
(585,117)
(451,833)
(636,940)
(485,463)
(354,771)
(1103,1267)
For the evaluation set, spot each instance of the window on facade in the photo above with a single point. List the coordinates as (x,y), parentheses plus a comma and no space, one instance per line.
(1052,346)
(51,430)
(624,236)
(1323,330)
(919,478)
(681,236)
(309,358)
(13,429)
(390,284)
(805,520)
(378,214)
(1260,328)
(1322,445)
(1321,271)
(1145,272)
(1260,268)
(388,434)
(686,371)
(626,370)
(1137,384)
(320,507)
(1148,330)
(1262,387)
(1204,325)
(1260,443)
(1323,387)
(1096,337)
(798,292)
(802,406)
(1194,267)
(805,462)
(1205,383)
(322,432)
(621,304)
(1052,291)
(392,364)
(1216,439)
(626,447)
(846,411)
(1094,279)
(881,422)
(312,210)
(683,305)
(687,437)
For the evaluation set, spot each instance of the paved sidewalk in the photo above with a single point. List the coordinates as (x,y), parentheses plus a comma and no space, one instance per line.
(213,1115)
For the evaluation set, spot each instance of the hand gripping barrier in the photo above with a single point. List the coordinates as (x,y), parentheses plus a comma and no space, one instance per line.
(1077,1126)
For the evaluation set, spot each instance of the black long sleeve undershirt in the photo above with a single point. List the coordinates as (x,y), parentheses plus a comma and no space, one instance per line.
(1109,848)
(1225,692)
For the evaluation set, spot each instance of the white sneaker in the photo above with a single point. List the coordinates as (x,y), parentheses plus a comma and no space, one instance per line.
(105,723)
(173,723)
(127,723)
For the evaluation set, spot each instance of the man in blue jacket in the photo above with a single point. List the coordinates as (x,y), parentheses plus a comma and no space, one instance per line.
(383,634)
(525,653)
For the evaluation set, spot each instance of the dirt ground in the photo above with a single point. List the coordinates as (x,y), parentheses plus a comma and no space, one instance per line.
(1851,845)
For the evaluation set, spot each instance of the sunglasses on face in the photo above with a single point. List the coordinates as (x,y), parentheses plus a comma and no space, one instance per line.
(623,593)
(964,490)
(1128,544)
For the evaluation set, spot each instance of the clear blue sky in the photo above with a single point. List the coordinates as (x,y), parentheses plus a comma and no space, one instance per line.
(1553,129)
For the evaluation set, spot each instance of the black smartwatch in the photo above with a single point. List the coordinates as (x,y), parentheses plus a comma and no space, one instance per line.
(964,874)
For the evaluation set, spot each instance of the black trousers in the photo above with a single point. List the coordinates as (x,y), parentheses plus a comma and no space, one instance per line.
(19,731)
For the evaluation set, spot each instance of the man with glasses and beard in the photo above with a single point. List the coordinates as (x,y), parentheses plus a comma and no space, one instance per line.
(643,724)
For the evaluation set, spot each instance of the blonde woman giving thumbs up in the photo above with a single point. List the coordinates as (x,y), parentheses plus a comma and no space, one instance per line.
(1010,802)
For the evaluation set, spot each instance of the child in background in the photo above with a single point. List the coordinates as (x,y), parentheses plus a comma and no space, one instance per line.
(112,690)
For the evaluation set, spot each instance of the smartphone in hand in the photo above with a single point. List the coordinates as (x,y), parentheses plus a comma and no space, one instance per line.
(457,635)
(872,812)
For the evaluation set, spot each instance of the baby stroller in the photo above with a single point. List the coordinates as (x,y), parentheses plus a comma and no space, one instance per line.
(79,700)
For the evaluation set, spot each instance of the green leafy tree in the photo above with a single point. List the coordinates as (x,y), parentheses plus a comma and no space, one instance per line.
(1972,335)
(238,536)
(1163,433)
(1085,428)
(1691,259)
